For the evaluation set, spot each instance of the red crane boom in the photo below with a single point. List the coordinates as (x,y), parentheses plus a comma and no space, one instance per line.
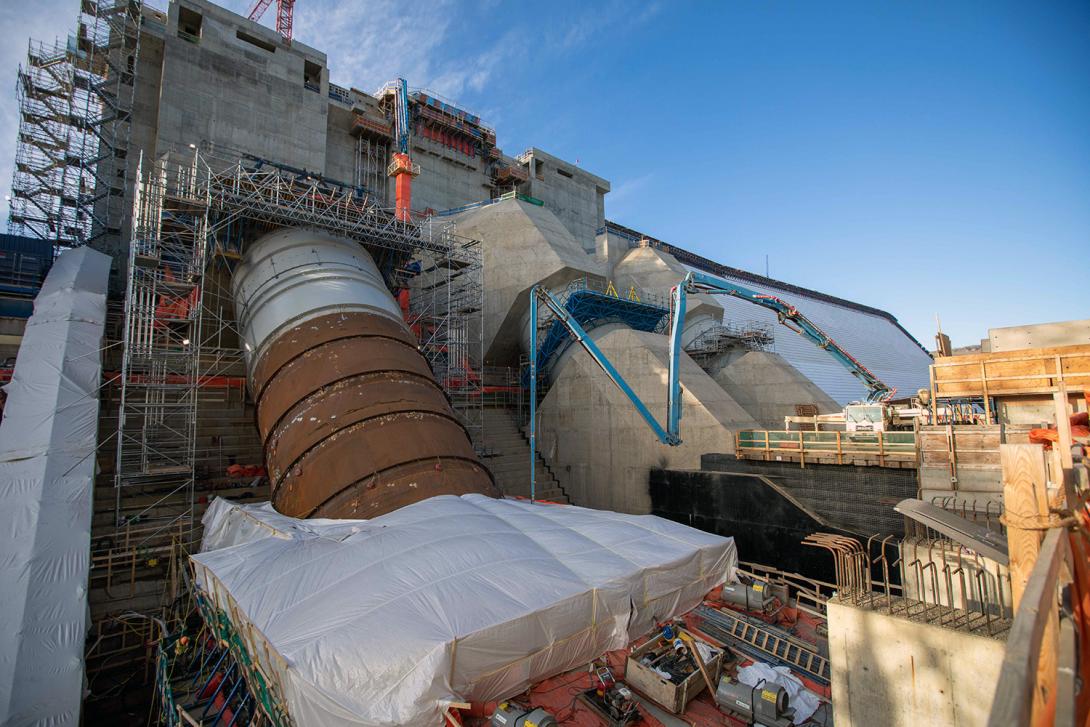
(283,15)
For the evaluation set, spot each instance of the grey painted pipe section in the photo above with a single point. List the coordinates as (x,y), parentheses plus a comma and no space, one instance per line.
(293,275)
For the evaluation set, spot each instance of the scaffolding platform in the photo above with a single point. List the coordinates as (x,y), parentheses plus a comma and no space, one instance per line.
(592,305)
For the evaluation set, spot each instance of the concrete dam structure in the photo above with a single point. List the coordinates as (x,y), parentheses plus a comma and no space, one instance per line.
(327,487)
(352,419)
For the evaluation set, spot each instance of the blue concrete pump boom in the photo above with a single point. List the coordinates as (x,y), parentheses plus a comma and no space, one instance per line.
(540,296)
(401,116)
(787,314)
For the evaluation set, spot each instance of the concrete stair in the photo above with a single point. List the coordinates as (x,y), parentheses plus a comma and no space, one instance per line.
(508,458)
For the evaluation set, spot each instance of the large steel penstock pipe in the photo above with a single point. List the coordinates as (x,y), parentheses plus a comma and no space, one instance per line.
(354,423)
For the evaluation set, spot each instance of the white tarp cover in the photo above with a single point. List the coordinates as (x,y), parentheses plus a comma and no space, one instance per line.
(47,467)
(383,621)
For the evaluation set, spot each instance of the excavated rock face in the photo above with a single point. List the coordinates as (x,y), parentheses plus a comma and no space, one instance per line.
(353,421)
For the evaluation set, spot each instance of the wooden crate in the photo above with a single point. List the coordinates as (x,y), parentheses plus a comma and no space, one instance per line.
(673,697)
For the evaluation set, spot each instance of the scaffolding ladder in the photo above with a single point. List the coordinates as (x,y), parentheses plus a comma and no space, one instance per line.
(160,371)
(763,643)
(75,107)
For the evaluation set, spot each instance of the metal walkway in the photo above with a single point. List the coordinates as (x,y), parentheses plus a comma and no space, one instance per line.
(593,305)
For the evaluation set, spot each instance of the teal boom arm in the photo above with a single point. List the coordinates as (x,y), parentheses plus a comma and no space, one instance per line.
(694,282)
(787,314)
(541,296)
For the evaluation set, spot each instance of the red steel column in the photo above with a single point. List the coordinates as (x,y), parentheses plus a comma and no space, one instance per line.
(403,170)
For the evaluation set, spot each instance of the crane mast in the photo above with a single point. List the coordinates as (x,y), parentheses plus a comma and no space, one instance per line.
(284,13)
(402,168)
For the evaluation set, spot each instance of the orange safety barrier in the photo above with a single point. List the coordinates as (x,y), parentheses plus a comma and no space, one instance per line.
(172,308)
(1080,428)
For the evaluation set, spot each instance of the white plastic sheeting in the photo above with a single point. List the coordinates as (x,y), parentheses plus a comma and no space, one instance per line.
(47,466)
(384,621)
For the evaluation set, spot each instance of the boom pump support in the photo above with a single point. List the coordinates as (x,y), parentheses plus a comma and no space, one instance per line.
(694,282)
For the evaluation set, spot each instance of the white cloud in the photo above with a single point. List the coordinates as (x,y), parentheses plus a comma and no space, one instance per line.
(370,43)
(613,18)
(629,196)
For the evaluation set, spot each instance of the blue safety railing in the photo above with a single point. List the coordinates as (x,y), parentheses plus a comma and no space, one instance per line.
(486,202)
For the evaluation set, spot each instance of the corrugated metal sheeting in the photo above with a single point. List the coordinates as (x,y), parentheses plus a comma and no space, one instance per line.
(876,341)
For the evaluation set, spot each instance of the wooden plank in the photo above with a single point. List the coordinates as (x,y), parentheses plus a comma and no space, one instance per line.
(934,395)
(1067,674)
(1067,496)
(1063,427)
(1034,372)
(1028,354)
(1025,499)
(1026,504)
(1017,692)
(987,399)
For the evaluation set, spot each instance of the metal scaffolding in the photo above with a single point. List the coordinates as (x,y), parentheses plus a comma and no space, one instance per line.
(731,335)
(75,106)
(446,305)
(191,208)
(371,160)
(593,302)
(160,371)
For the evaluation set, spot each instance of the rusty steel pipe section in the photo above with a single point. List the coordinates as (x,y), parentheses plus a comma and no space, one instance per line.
(353,422)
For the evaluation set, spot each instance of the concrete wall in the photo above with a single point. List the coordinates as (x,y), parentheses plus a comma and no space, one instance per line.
(340,145)
(233,93)
(448,178)
(767,386)
(655,272)
(765,520)
(890,671)
(610,248)
(576,196)
(600,448)
(250,97)
(962,579)
(522,245)
(851,498)
(1040,335)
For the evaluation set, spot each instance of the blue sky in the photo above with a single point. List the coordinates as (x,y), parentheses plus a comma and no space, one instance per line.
(925,158)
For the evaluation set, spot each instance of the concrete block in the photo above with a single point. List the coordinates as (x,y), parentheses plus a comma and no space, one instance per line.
(522,245)
(1040,335)
(655,272)
(767,386)
(576,196)
(600,448)
(890,671)
(267,112)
